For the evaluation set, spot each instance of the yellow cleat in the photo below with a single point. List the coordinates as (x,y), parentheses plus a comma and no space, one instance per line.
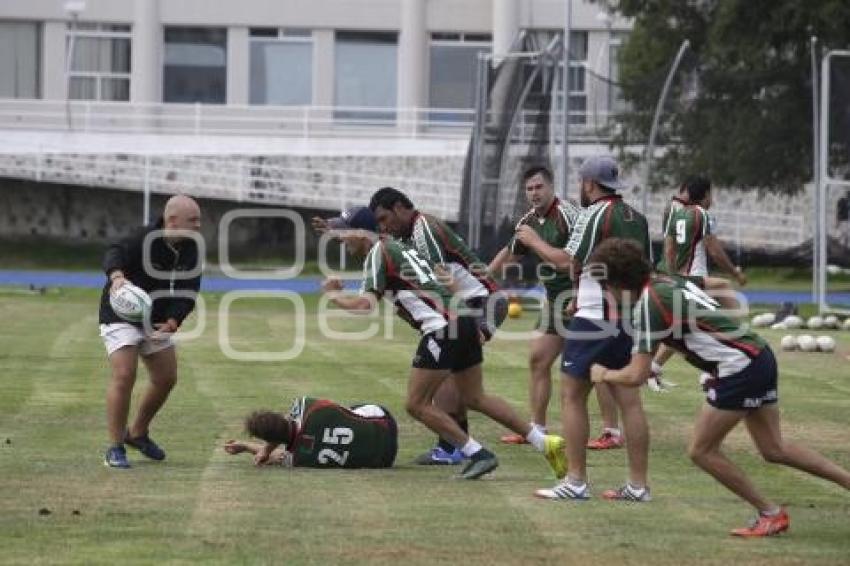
(553,449)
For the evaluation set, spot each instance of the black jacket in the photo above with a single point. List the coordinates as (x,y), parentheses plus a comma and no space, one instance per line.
(126,255)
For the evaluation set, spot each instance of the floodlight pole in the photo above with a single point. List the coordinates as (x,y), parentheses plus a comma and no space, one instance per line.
(650,146)
(565,154)
(816,228)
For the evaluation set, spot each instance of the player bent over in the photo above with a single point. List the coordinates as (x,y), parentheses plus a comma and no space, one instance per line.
(450,344)
(673,311)
(317,433)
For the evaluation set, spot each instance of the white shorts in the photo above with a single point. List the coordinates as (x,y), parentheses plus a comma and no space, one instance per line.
(120,334)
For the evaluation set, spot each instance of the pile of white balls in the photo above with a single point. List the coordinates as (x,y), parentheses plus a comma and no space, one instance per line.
(808,343)
(803,342)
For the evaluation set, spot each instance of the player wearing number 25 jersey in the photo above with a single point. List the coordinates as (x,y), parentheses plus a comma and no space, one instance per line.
(672,310)
(318,433)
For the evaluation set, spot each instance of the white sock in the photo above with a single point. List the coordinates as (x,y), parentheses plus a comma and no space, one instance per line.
(656,367)
(536,437)
(575,483)
(540,427)
(612,431)
(772,513)
(470,448)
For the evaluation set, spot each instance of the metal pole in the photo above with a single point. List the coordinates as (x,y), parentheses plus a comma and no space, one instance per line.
(475,180)
(146,212)
(565,143)
(650,146)
(823,131)
(816,251)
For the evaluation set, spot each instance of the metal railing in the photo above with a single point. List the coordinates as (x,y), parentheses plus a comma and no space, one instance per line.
(259,120)
(249,179)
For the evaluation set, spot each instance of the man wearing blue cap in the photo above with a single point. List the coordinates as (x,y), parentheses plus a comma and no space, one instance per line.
(596,334)
(450,343)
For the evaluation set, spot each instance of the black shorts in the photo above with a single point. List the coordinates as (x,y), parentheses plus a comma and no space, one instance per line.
(552,319)
(490,312)
(454,349)
(752,387)
(595,342)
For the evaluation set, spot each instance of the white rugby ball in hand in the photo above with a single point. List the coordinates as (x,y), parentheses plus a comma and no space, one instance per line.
(131,303)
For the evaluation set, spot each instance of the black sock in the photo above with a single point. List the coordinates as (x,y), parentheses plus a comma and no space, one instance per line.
(445,445)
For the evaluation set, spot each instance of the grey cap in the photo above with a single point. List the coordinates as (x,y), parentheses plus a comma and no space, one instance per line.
(604,170)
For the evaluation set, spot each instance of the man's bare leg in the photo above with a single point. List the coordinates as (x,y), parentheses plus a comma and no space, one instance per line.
(123,363)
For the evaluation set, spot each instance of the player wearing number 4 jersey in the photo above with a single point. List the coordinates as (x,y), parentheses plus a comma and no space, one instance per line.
(450,343)
(743,385)
(318,433)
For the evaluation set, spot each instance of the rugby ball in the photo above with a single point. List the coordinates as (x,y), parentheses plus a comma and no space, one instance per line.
(789,343)
(846,324)
(763,320)
(830,321)
(793,321)
(807,343)
(826,343)
(778,326)
(131,303)
(815,323)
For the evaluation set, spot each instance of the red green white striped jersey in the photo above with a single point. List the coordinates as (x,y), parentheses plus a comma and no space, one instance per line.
(554,228)
(436,242)
(674,311)
(395,270)
(688,226)
(608,217)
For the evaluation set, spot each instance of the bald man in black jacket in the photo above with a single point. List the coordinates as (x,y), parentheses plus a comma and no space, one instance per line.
(170,272)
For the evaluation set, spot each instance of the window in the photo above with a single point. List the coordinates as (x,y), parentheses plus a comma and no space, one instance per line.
(100,61)
(578,88)
(454,63)
(19,56)
(195,66)
(365,74)
(616,102)
(281,66)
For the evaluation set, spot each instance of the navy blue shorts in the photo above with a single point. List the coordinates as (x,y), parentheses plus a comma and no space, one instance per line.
(752,387)
(594,342)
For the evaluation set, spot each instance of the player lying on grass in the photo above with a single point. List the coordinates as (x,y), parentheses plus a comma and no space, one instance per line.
(673,311)
(450,342)
(317,433)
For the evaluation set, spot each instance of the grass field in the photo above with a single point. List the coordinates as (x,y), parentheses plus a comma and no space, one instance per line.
(204,506)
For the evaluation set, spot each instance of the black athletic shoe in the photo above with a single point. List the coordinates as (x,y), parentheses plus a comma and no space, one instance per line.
(483,462)
(146,446)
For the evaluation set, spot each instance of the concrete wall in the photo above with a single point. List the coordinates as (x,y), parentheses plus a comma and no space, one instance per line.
(92,215)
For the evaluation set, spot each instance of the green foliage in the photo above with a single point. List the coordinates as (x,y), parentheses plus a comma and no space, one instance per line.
(749,122)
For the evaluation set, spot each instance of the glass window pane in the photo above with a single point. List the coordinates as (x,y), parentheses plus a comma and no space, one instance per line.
(195,65)
(365,73)
(281,72)
(83,88)
(578,45)
(264,32)
(452,82)
(19,60)
(100,54)
(114,89)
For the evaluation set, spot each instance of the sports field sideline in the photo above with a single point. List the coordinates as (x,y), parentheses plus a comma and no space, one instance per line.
(59,504)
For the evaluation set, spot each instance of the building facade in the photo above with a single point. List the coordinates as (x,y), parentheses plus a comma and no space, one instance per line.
(376,54)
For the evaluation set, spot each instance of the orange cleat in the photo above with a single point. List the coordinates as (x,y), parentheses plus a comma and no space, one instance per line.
(606,441)
(514,439)
(765,526)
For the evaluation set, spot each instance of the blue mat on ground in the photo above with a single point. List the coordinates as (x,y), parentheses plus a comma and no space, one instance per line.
(219,283)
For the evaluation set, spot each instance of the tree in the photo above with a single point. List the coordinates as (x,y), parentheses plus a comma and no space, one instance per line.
(740,110)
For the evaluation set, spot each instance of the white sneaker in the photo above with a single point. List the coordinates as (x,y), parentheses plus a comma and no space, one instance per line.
(564,490)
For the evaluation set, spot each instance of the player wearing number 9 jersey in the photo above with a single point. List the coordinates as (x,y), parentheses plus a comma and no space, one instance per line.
(318,433)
